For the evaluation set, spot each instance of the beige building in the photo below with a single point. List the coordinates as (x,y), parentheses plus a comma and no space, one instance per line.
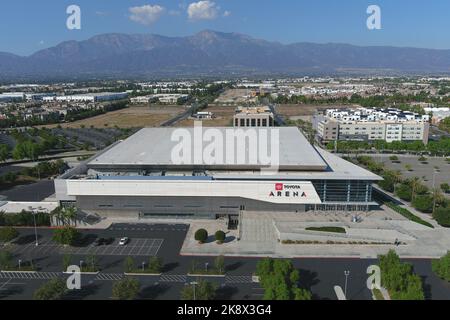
(253,117)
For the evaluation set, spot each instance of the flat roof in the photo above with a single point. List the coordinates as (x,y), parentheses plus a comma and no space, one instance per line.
(153,147)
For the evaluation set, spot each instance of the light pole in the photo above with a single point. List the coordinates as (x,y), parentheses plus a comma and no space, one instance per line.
(81,264)
(434,191)
(346,273)
(206,266)
(33,213)
(20,262)
(194,283)
(143,266)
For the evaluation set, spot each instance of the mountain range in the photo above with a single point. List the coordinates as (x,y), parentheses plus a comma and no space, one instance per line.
(211,53)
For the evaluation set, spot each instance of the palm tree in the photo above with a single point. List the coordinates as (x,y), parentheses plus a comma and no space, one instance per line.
(438,197)
(69,215)
(396,177)
(415,185)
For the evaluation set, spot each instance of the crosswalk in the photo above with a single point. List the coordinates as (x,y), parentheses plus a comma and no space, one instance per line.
(30,275)
(238,279)
(109,276)
(172,278)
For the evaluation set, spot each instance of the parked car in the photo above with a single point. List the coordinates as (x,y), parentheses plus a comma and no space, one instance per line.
(124,241)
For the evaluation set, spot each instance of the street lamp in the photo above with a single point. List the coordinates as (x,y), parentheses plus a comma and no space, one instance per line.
(20,262)
(434,186)
(33,213)
(206,266)
(194,283)
(81,264)
(143,266)
(346,273)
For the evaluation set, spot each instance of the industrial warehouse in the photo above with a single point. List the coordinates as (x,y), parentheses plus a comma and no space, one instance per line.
(138,177)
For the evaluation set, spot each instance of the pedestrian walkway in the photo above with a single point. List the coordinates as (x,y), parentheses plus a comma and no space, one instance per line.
(238,279)
(109,276)
(29,275)
(173,278)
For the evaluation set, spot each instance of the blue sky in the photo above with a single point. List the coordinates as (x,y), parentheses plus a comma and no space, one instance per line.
(30,25)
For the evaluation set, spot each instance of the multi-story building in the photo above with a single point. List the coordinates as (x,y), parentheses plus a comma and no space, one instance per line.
(253,117)
(372,124)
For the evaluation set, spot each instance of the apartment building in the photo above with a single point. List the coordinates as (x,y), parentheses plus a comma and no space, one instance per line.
(373,124)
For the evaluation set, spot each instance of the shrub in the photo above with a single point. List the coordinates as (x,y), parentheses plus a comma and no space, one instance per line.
(53,290)
(327,229)
(66,236)
(442,216)
(404,192)
(423,203)
(393,158)
(155,265)
(201,235)
(8,233)
(445,187)
(220,236)
(126,289)
(442,267)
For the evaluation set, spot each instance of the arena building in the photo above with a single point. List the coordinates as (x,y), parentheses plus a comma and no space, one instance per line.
(138,177)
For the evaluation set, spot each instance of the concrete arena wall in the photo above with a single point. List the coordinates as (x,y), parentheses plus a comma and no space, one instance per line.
(199,207)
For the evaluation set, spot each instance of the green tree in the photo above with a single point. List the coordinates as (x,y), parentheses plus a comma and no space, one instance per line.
(201,235)
(66,236)
(67,261)
(8,233)
(126,289)
(4,152)
(155,265)
(442,267)
(219,264)
(203,291)
(445,187)
(5,260)
(129,264)
(220,236)
(54,289)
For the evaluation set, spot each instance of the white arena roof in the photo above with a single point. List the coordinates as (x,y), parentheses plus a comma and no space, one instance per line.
(153,148)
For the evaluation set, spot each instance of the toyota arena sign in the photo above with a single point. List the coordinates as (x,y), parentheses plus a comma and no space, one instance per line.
(289,192)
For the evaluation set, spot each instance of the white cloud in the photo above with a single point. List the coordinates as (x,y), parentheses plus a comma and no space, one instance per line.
(227,13)
(147,14)
(203,10)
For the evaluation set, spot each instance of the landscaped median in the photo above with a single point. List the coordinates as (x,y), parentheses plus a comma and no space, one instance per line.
(327,229)
(217,270)
(408,214)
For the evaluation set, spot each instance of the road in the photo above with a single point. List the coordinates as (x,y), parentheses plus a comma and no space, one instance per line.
(164,241)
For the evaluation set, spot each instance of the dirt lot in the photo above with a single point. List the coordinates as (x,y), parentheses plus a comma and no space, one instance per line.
(235,96)
(134,117)
(224,118)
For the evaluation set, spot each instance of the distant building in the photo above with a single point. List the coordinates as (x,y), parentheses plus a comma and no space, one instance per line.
(203,115)
(365,124)
(89,97)
(439,114)
(253,117)
(172,98)
(12,96)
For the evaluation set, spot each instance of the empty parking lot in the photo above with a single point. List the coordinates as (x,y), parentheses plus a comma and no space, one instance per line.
(136,247)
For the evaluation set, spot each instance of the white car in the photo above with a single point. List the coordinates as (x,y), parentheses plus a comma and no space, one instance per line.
(123,241)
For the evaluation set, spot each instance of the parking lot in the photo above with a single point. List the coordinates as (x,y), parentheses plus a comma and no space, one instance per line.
(135,247)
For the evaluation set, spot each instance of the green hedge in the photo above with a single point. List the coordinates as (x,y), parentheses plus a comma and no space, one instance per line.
(327,229)
(24,219)
(407,214)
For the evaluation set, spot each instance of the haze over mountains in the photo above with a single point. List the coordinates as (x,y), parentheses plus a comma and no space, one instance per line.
(211,53)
